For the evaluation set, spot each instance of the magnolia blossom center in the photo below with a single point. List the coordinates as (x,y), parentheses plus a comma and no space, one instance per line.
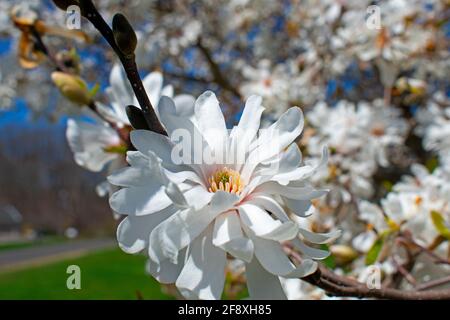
(226,180)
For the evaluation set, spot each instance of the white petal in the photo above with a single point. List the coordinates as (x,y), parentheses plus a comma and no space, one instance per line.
(167,91)
(245,132)
(251,116)
(210,120)
(320,238)
(228,236)
(178,127)
(299,207)
(203,274)
(120,92)
(313,253)
(87,141)
(364,241)
(288,161)
(198,197)
(182,176)
(275,139)
(180,229)
(271,255)
(148,141)
(306,268)
(261,284)
(153,84)
(141,200)
(184,104)
(166,272)
(137,159)
(263,225)
(270,205)
(133,232)
(129,176)
(297,193)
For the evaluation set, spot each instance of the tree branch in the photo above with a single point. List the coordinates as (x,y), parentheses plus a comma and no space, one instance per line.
(218,76)
(342,286)
(128,62)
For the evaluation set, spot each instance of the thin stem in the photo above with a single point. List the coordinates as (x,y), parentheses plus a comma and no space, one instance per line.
(44,49)
(433,283)
(337,285)
(129,64)
(217,74)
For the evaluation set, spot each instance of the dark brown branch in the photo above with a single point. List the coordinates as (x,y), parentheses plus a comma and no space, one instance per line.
(128,62)
(44,49)
(342,286)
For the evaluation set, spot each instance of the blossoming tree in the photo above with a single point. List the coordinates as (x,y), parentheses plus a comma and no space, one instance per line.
(332,180)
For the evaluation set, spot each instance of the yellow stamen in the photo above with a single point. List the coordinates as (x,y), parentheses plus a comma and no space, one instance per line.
(226,180)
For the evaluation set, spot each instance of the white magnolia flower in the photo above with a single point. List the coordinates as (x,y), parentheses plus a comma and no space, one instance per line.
(189,216)
(121,94)
(394,40)
(409,207)
(359,136)
(434,126)
(93,144)
(96,144)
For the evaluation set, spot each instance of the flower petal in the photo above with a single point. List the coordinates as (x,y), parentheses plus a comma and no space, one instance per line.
(166,272)
(320,238)
(301,208)
(184,104)
(270,205)
(140,200)
(87,141)
(153,85)
(210,120)
(313,253)
(271,255)
(263,225)
(133,232)
(261,284)
(183,227)
(148,141)
(203,274)
(228,236)
(129,176)
(297,193)
(275,139)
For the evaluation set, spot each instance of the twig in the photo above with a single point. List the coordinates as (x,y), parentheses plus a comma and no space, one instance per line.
(433,283)
(427,251)
(337,285)
(217,74)
(43,48)
(128,62)
(404,269)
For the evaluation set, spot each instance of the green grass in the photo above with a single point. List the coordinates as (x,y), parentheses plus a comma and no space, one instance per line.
(109,274)
(30,243)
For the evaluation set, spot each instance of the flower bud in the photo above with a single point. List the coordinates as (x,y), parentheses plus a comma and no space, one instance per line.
(64,4)
(124,34)
(72,87)
(136,118)
(343,254)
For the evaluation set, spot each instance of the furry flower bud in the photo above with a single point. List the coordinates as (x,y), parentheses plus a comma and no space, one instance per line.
(72,87)
(124,34)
